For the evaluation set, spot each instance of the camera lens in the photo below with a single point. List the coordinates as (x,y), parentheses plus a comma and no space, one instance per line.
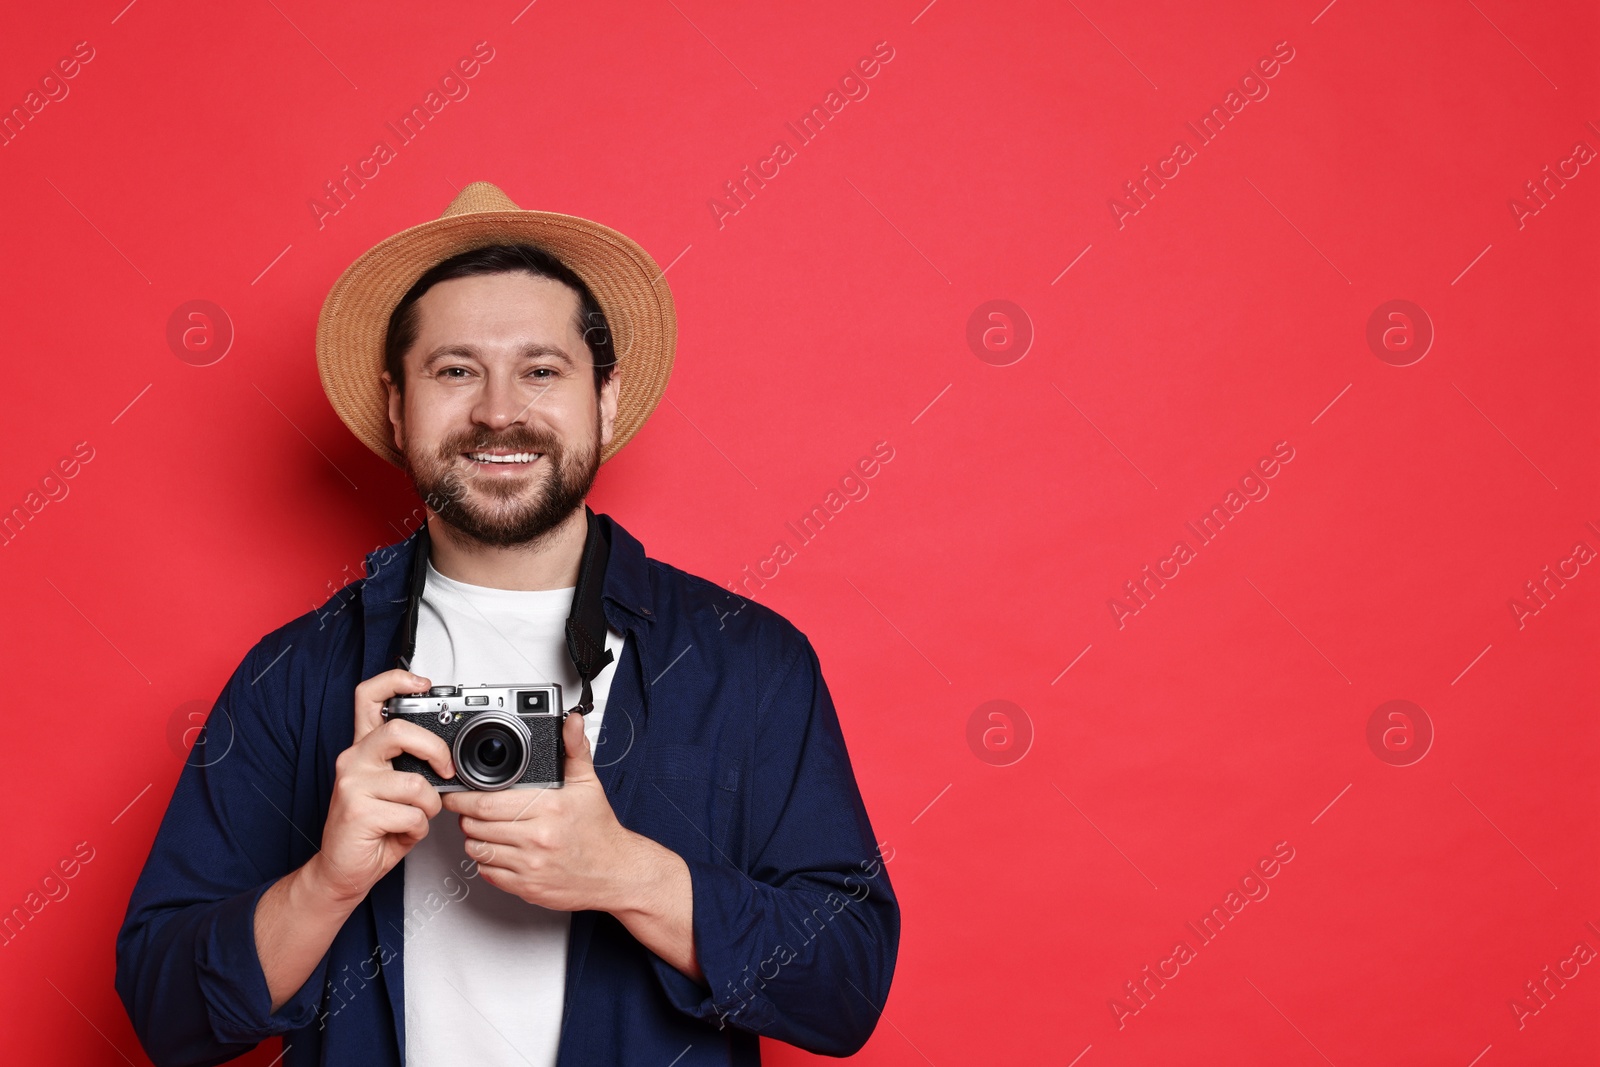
(491,751)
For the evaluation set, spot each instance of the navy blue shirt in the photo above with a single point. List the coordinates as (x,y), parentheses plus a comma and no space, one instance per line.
(720,741)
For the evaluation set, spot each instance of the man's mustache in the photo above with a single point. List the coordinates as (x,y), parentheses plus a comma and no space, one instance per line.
(515,439)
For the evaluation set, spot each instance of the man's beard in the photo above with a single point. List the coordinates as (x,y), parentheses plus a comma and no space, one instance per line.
(522,511)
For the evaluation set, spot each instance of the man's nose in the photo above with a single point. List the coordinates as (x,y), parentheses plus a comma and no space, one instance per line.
(500,403)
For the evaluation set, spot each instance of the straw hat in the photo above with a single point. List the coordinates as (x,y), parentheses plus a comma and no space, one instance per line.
(626,282)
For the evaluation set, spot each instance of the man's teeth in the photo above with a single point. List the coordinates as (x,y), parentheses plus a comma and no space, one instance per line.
(514,457)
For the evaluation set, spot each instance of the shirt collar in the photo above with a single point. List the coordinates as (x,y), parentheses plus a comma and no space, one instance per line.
(627,582)
(627,572)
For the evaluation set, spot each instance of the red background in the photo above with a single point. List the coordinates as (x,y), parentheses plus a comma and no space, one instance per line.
(830,313)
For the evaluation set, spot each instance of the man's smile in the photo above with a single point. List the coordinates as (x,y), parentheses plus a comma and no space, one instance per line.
(503,460)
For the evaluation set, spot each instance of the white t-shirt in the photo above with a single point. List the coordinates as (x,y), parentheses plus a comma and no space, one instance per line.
(485,971)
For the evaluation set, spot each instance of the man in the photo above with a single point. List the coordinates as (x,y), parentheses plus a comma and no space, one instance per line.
(705,873)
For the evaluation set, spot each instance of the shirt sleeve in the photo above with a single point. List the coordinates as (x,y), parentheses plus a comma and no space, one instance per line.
(799,943)
(187,968)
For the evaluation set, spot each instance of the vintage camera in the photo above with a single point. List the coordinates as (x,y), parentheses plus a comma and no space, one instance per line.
(500,736)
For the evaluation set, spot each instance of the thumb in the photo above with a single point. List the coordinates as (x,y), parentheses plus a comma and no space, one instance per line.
(580,761)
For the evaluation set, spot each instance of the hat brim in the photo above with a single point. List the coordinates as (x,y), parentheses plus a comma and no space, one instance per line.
(630,288)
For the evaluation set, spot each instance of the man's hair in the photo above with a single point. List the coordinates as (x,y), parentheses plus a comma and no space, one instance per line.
(501,259)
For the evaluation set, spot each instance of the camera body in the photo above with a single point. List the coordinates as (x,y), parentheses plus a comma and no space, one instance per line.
(500,736)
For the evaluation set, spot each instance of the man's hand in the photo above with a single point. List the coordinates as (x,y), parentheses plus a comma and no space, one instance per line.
(376,816)
(564,849)
(377,813)
(559,848)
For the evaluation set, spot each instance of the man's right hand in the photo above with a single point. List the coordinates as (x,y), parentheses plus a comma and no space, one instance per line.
(378,814)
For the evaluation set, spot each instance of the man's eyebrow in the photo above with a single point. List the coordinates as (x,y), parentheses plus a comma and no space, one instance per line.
(447,350)
(534,350)
(530,351)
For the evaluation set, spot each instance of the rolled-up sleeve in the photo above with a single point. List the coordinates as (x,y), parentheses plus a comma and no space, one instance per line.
(187,968)
(799,943)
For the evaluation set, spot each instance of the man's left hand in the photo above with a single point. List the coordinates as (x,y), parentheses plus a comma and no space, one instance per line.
(559,848)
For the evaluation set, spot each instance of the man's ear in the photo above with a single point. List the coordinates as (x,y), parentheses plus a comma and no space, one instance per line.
(609,392)
(396,412)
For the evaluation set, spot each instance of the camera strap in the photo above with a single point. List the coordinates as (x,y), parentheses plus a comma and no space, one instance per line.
(586,623)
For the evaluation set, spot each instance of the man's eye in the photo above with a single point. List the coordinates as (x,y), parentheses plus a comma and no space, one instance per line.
(542,370)
(453,372)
